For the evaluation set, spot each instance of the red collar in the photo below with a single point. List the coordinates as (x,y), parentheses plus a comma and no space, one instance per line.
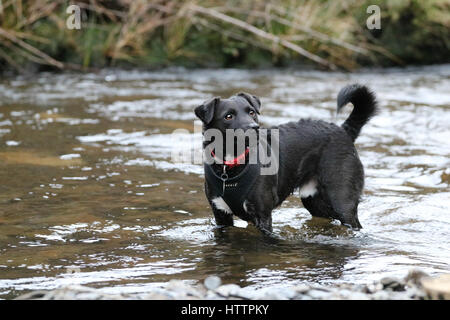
(235,162)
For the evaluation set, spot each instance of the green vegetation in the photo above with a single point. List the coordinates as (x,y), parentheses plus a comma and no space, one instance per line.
(209,33)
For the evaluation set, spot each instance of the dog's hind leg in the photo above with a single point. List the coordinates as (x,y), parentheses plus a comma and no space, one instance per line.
(342,194)
(347,210)
(341,180)
(318,206)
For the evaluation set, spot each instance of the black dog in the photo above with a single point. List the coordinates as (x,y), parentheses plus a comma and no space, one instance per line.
(317,157)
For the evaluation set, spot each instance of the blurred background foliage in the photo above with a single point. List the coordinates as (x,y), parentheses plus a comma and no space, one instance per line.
(209,33)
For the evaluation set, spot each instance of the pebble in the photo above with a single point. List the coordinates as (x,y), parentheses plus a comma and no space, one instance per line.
(357,296)
(211,295)
(392,283)
(318,294)
(415,277)
(380,295)
(374,287)
(212,282)
(158,296)
(388,288)
(301,288)
(437,287)
(279,294)
(415,293)
(227,290)
(183,290)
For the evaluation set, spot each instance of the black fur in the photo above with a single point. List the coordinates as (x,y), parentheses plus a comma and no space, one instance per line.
(309,150)
(367,107)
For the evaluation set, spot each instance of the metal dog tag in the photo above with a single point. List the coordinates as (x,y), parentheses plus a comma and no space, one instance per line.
(224,178)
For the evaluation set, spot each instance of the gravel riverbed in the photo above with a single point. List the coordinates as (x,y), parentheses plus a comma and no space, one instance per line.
(412,287)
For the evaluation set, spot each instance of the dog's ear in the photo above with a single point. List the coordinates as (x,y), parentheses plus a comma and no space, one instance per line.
(253,100)
(205,112)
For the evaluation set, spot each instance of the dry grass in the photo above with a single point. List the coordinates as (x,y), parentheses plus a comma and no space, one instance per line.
(325,33)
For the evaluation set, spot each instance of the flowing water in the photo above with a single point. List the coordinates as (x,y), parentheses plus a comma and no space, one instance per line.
(91,195)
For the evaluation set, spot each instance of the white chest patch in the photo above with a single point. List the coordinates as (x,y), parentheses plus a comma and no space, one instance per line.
(220,204)
(308,189)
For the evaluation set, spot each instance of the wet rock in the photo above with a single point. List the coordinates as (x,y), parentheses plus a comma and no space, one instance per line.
(393,284)
(248,294)
(415,293)
(318,294)
(183,290)
(346,294)
(380,295)
(373,287)
(414,277)
(279,294)
(35,295)
(288,293)
(212,282)
(358,296)
(160,294)
(385,289)
(228,290)
(301,288)
(211,295)
(72,292)
(438,287)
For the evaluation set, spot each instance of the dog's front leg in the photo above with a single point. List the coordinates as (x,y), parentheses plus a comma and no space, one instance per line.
(261,216)
(223,219)
(264,223)
(222,214)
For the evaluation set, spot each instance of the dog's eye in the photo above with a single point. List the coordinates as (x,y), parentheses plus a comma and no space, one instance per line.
(229,116)
(252,113)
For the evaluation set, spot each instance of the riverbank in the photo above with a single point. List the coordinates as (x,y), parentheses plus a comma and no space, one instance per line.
(43,35)
(415,286)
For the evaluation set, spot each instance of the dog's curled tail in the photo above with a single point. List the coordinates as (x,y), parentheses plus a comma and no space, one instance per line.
(364,107)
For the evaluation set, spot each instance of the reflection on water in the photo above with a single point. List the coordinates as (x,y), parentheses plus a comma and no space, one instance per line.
(90,195)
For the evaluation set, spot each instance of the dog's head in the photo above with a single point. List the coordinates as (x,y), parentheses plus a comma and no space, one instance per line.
(238,112)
